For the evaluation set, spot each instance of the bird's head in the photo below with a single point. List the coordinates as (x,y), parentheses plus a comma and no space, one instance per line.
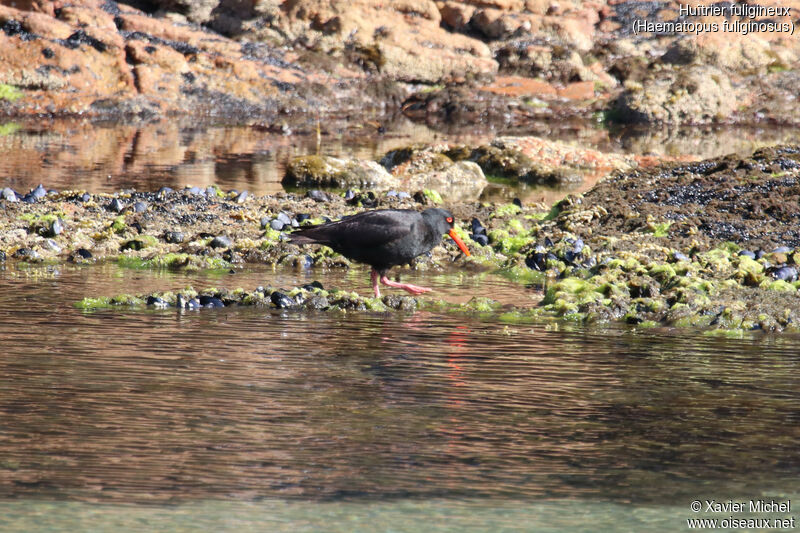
(442,220)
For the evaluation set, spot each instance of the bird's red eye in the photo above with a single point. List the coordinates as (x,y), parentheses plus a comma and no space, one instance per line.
(449,220)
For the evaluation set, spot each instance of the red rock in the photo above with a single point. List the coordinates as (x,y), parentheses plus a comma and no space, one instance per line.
(581,90)
(518,86)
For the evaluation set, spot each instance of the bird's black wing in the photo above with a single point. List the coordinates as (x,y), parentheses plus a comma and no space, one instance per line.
(362,230)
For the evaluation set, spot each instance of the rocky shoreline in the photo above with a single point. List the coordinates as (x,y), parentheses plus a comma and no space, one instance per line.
(712,244)
(502,62)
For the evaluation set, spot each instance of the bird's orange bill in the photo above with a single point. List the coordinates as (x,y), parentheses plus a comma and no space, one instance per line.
(459,242)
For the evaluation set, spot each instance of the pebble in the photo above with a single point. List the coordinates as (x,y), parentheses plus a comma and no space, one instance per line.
(517,202)
(302,217)
(193,304)
(781,250)
(85,197)
(174,237)
(220,242)
(28,199)
(140,207)
(281,301)
(538,259)
(313,285)
(480,238)
(403,195)
(210,301)
(211,191)
(26,253)
(283,217)
(241,197)
(547,242)
(163,191)
(3,256)
(9,195)
(39,192)
(157,301)
(83,252)
(55,229)
(197,191)
(391,194)
(277,225)
(318,196)
(748,253)
(678,256)
(785,273)
(349,195)
(116,205)
(477,227)
(53,245)
(265,220)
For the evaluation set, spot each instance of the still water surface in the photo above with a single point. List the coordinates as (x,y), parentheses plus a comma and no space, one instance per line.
(244,419)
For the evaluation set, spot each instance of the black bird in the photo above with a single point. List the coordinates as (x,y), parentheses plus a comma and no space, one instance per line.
(384,238)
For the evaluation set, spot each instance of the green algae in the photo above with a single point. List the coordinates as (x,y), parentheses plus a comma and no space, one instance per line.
(507,210)
(173,261)
(10,93)
(433,196)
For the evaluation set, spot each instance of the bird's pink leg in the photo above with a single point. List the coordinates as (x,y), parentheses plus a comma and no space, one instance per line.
(413,289)
(374,278)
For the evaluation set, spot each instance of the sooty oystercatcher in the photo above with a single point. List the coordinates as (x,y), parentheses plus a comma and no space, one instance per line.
(384,238)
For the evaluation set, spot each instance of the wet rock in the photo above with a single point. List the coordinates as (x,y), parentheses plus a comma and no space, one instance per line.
(220,241)
(785,273)
(318,196)
(39,192)
(284,218)
(140,207)
(157,301)
(210,301)
(326,171)
(174,237)
(312,286)
(277,225)
(281,301)
(116,206)
(84,253)
(53,229)
(517,202)
(480,238)
(9,195)
(26,253)
(477,227)
(302,217)
(747,253)
(538,259)
(319,303)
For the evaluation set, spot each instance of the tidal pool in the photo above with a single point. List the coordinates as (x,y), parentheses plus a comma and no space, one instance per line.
(243,419)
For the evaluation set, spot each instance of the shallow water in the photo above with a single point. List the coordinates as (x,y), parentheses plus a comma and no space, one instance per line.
(145,156)
(244,419)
